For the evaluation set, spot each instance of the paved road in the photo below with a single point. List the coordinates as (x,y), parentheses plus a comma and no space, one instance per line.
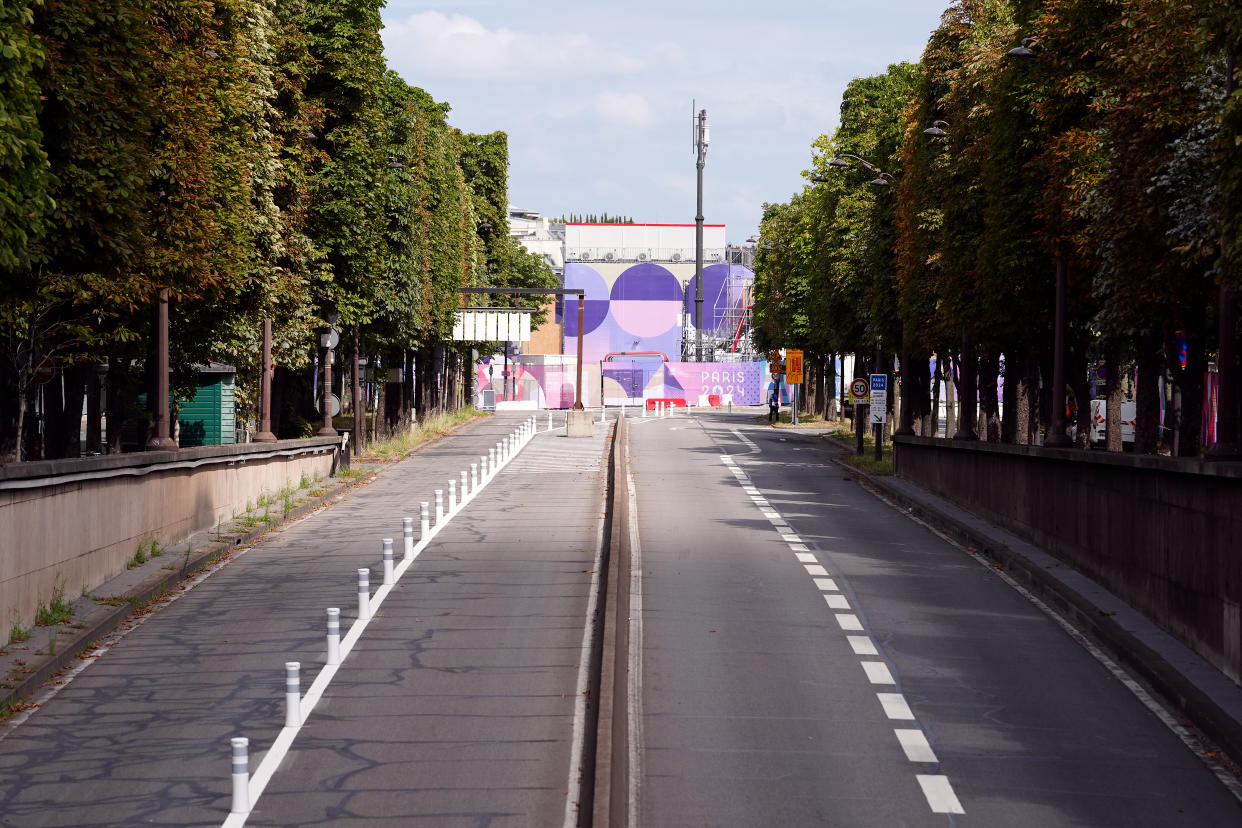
(811,657)
(456,707)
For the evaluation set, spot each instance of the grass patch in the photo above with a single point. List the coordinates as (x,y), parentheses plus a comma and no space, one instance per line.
(435,426)
(305,482)
(317,492)
(18,633)
(56,611)
(866,461)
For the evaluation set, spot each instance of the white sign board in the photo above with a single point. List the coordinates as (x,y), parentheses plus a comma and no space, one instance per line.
(489,326)
(879,399)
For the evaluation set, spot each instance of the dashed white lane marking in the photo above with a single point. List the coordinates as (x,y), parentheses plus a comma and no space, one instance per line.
(914,743)
(939,794)
(895,706)
(849,622)
(877,672)
(936,788)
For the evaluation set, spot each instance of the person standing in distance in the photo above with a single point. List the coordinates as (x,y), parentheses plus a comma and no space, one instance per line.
(774,404)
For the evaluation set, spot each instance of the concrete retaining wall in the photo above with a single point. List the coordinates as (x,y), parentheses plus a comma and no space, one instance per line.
(77,522)
(1165,534)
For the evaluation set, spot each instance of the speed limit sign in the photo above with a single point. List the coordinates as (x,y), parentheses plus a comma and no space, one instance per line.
(860,392)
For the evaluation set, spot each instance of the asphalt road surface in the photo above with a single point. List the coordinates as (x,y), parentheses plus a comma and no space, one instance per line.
(456,707)
(810,656)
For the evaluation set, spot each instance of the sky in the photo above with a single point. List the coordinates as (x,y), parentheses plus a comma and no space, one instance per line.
(596,98)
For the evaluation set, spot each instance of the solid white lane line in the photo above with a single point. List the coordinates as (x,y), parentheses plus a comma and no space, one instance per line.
(939,794)
(915,744)
(805,557)
(849,622)
(837,602)
(877,672)
(814,569)
(634,692)
(862,645)
(895,706)
(826,584)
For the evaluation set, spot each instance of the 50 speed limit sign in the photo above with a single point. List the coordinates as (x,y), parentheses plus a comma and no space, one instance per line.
(860,392)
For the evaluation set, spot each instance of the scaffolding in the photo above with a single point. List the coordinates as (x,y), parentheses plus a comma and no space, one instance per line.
(729,339)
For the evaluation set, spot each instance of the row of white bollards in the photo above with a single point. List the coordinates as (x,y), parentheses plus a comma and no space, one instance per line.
(470,482)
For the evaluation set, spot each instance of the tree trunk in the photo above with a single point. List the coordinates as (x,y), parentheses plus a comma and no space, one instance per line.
(1147,395)
(1113,394)
(950,398)
(989,370)
(1012,380)
(94,416)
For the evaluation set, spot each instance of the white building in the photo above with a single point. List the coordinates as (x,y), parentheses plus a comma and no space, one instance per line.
(539,235)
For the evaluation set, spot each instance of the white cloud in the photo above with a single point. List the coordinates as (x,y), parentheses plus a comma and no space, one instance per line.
(432,43)
(627,108)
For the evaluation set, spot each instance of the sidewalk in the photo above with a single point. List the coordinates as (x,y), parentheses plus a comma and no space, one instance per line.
(143,733)
(1192,687)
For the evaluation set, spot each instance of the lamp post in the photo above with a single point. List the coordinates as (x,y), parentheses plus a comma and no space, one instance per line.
(1056,437)
(265,434)
(160,439)
(1227,445)
(702,135)
(882,179)
(328,339)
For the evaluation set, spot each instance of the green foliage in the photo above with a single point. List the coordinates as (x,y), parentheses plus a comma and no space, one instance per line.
(25,175)
(56,611)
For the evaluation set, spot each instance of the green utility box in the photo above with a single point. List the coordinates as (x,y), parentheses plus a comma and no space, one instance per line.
(209,419)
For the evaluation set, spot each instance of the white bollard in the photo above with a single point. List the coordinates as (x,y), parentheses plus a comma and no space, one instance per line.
(241,775)
(364,594)
(388,561)
(644,408)
(549,421)
(334,635)
(474,477)
(407,535)
(293,695)
(465,485)
(622,409)
(424,520)
(439,506)
(483,470)
(452,496)
(491,462)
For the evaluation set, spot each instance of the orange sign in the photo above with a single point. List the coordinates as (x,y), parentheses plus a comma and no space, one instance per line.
(793,366)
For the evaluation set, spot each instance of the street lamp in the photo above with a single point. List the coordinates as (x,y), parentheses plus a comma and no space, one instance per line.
(937,129)
(1056,437)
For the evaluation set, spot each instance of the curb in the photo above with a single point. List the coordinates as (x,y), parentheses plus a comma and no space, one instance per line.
(1175,688)
(611,773)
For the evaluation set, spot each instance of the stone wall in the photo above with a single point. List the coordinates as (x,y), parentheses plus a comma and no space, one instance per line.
(77,522)
(1164,534)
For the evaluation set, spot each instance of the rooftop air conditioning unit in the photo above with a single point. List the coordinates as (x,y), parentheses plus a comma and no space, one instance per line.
(586,255)
(643,256)
(676,257)
(609,256)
